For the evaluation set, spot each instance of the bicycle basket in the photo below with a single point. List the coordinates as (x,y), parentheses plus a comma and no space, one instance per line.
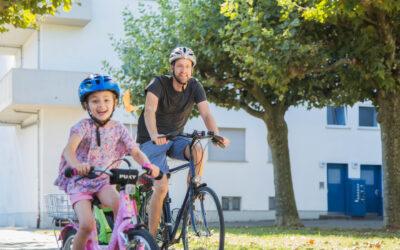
(59,207)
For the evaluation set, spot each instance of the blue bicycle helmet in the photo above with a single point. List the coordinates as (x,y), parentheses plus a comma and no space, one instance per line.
(96,82)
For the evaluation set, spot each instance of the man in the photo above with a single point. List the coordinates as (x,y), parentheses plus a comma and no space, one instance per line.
(169,102)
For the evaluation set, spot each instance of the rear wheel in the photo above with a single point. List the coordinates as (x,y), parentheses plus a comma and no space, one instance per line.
(141,239)
(68,241)
(208,221)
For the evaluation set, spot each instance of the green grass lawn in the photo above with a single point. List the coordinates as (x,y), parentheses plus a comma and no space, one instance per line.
(307,238)
(273,238)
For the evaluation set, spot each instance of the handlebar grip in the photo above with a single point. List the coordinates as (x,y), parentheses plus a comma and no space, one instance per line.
(70,172)
(169,136)
(172,135)
(148,167)
(217,139)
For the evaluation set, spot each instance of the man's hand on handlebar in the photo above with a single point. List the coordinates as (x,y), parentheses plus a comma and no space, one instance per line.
(159,139)
(222,142)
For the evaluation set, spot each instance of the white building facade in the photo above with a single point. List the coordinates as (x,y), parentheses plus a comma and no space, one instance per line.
(40,71)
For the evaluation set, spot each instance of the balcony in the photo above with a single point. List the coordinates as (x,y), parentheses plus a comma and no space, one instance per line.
(28,90)
(77,16)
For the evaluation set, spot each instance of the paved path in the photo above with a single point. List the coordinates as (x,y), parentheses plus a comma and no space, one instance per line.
(26,238)
(30,238)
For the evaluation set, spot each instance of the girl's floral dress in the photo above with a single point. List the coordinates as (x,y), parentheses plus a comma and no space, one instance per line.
(116,142)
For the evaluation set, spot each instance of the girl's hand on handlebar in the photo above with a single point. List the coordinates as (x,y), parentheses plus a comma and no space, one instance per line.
(159,139)
(83,168)
(152,170)
(155,171)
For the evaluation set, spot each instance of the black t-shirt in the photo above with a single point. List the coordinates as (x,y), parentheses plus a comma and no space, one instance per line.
(174,107)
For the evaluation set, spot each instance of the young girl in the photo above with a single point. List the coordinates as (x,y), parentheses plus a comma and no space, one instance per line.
(97,142)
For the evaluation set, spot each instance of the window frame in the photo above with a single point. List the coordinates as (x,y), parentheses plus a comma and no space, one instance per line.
(337,126)
(377,127)
(244,160)
(230,203)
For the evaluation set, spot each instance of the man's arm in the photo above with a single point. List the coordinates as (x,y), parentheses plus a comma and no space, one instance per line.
(151,105)
(209,120)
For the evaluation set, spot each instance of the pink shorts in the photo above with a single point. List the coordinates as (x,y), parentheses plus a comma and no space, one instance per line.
(85,195)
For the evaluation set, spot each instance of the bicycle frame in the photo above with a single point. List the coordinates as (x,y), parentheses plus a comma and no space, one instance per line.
(126,219)
(188,198)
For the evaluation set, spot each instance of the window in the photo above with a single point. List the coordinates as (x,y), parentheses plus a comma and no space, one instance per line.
(367,117)
(271,203)
(235,151)
(132,128)
(336,116)
(334,176)
(368,176)
(231,203)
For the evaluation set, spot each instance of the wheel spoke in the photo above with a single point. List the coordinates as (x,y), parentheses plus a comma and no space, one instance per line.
(209,229)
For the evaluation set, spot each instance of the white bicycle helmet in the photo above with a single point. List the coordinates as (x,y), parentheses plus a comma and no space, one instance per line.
(182,52)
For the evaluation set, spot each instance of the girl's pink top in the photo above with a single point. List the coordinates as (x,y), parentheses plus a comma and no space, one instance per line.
(116,142)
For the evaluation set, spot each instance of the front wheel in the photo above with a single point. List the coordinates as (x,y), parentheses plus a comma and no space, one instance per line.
(208,231)
(141,239)
(68,240)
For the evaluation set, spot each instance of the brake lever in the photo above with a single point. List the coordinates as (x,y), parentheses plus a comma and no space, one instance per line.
(217,139)
(91,175)
(172,135)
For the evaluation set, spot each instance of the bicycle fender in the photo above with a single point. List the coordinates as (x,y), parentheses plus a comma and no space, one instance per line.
(123,227)
(65,229)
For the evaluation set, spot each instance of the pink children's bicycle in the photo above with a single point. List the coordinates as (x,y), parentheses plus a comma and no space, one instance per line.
(127,234)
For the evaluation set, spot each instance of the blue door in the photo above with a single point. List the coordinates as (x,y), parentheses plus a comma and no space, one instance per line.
(372,174)
(337,176)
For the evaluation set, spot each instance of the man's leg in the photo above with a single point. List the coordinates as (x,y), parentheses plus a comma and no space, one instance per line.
(198,157)
(157,156)
(156,203)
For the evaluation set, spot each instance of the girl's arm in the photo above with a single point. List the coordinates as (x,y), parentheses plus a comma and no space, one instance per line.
(70,155)
(141,158)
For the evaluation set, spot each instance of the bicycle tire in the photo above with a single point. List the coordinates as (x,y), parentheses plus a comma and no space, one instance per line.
(68,240)
(209,221)
(141,236)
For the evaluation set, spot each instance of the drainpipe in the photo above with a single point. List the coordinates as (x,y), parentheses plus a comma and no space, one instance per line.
(39,161)
(38,48)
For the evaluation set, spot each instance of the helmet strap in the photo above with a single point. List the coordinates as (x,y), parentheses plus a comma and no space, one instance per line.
(100,124)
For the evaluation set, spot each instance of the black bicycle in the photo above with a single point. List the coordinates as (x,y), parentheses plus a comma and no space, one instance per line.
(200,218)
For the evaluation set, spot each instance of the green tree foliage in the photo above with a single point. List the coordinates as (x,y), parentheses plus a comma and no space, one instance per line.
(368,32)
(250,56)
(24,13)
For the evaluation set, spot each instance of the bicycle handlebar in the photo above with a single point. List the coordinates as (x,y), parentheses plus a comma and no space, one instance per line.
(117,176)
(197,135)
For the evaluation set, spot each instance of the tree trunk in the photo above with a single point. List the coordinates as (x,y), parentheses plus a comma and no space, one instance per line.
(286,210)
(389,119)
